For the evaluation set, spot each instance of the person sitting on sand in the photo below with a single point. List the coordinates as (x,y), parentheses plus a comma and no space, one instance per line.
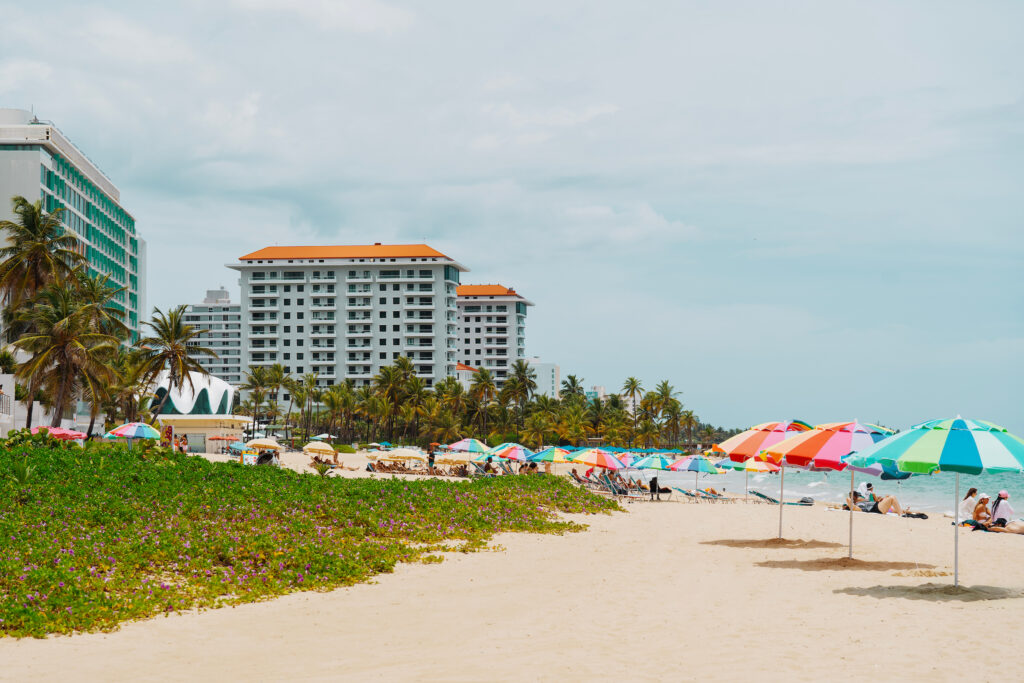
(981,515)
(1010,528)
(1002,513)
(968,504)
(488,466)
(880,505)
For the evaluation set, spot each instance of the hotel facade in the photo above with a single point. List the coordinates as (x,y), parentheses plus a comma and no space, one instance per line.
(222,320)
(344,312)
(492,328)
(39,163)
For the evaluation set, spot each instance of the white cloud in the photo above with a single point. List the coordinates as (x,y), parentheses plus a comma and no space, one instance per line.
(555,117)
(360,16)
(16,74)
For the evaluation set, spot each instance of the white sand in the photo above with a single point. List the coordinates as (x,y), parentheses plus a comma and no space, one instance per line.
(664,591)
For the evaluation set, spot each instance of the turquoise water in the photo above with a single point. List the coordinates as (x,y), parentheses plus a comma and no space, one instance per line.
(931,493)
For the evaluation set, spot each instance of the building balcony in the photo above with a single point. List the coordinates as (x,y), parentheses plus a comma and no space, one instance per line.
(323,307)
(329,318)
(419,307)
(278,280)
(359,279)
(412,333)
(263,362)
(323,361)
(358,335)
(264,309)
(418,347)
(264,349)
(322,278)
(359,375)
(322,347)
(264,335)
(419,318)
(358,307)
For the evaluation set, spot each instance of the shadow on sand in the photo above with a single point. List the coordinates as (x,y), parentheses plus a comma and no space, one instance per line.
(841,563)
(935,592)
(797,543)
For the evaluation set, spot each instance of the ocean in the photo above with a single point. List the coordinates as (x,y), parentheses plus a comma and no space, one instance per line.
(927,493)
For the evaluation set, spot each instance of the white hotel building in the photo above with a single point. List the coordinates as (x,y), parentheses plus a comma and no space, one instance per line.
(492,328)
(346,311)
(223,321)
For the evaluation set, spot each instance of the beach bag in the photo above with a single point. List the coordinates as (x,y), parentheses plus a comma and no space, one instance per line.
(807,500)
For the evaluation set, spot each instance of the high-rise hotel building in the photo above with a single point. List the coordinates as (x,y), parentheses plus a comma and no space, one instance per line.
(222,321)
(346,311)
(492,328)
(39,163)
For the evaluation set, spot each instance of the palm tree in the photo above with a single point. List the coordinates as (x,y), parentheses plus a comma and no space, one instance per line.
(172,346)
(64,347)
(689,422)
(535,430)
(390,384)
(572,388)
(39,252)
(483,390)
(633,388)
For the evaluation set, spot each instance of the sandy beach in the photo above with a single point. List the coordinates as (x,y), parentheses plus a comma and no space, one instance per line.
(664,590)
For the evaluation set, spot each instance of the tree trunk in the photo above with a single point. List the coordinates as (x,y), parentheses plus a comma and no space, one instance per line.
(93,414)
(61,399)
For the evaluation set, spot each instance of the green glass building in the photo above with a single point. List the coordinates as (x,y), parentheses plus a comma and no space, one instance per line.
(38,162)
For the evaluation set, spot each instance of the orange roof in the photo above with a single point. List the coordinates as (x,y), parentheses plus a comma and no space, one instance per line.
(345,251)
(485,290)
(463,366)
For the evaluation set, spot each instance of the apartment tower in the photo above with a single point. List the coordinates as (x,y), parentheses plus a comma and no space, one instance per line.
(222,321)
(39,163)
(492,328)
(344,312)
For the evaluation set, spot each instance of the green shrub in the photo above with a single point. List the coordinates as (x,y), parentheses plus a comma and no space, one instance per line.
(94,537)
(344,448)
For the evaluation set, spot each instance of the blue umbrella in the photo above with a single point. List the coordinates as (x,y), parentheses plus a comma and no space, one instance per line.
(952,445)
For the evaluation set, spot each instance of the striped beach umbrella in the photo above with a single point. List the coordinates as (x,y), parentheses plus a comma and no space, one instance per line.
(695,464)
(652,462)
(751,442)
(134,430)
(469,446)
(595,457)
(552,454)
(511,451)
(953,445)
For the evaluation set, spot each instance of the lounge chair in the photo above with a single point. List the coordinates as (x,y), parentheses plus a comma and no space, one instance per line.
(619,490)
(690,495)
(479,471)
(718,497)
(775,501)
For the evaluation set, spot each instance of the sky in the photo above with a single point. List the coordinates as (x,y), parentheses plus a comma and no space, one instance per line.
(789,210)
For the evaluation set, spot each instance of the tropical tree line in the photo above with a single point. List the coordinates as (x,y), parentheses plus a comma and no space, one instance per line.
(398,407)
(66,333)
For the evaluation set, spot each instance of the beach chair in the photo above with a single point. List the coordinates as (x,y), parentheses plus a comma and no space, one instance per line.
(775,501)
(506,468)
(689,495)
(719,498)
(479,471)
(620,491)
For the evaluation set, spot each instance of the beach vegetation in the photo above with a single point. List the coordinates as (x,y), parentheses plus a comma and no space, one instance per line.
(97,536)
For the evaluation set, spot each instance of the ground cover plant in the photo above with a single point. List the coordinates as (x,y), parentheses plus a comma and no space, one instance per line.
(96,537)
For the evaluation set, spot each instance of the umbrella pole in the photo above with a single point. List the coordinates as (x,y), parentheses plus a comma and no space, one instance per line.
(695,480)
(746,485)
(956,533)
(851,515)
(782,488)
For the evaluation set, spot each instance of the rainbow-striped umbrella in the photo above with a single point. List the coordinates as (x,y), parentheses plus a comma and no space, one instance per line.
(751,442)
(652,462)
(469,446)
(595,457)
(551,454)
(695,464)
(511,451)
(824,446)
(134,430)
(953,445)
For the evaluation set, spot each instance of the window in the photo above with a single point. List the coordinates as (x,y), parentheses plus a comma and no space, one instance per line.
(287,302)
(287,329)
(299,302)
(299,329)
(383,288)
(299,370)
(298,356)
(287,342)
(383,355)
(383,314)
(287,288)
(287,356)
(396,342)
(287,316)
(300,288)
(298,342)
(396,288)
(396,328)
(300,315)
(383,328)
(395,301)
(383,300)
